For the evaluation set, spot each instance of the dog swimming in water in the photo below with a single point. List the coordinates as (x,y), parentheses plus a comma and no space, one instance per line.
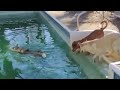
(27,51)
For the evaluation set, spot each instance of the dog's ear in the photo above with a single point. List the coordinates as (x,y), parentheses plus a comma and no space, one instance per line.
(74,44)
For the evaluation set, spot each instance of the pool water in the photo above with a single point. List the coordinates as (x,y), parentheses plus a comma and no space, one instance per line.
(34,35)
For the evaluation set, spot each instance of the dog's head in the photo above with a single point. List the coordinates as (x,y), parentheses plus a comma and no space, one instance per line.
(75,46)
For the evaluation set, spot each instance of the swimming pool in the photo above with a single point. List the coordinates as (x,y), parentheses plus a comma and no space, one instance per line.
(34,35)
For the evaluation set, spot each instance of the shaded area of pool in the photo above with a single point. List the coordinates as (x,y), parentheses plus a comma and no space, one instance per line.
(34,36)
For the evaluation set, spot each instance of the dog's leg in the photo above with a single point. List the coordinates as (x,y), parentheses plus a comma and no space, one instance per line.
(99,57)
(94,57)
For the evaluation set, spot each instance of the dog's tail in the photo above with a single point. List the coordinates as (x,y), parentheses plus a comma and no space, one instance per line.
(102,23)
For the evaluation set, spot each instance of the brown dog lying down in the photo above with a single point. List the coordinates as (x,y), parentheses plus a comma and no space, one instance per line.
(103,47)
(27,51)
(94,35)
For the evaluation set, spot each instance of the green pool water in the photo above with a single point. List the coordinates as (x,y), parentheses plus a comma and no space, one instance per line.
(34,35)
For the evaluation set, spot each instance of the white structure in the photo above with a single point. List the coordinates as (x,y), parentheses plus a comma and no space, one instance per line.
(114,70)
(117,14)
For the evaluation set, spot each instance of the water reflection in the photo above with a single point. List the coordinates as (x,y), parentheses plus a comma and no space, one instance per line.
(8,72)
(34,36)
(27,32)
(3,44)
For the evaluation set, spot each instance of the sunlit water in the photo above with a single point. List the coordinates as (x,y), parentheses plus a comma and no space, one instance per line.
(29,34)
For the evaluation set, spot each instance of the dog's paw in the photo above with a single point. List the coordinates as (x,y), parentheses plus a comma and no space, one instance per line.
(95,60)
